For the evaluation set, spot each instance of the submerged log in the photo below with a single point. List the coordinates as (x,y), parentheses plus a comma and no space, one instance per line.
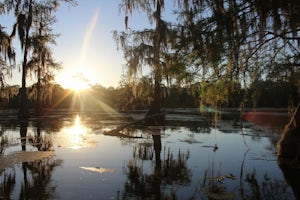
(116,131)
(288,147)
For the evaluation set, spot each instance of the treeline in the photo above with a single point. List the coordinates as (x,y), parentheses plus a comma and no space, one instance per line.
(230,52)
(262,94)
(210,52)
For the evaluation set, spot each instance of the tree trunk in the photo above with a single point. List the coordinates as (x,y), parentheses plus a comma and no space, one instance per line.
(24,113)
(288,146)
(157,168)
(155,106)
(23,134)
(38,91)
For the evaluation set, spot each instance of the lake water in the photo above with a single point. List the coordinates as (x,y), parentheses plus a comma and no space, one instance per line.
(187,158)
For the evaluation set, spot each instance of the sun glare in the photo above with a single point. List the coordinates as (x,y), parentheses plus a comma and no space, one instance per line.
(77,82)
(75,136)
(80,86)
(82,76)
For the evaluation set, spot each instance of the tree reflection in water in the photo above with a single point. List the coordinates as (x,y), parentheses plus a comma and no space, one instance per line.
(40,141)
(37,179)
(153,171)
(166,171)
(144,185)
(7,184)
(35,183)
(252,186)
(4,141)
(23,133)
(269,188)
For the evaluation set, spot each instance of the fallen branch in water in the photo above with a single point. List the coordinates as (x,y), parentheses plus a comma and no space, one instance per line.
(116,131)
(118,134)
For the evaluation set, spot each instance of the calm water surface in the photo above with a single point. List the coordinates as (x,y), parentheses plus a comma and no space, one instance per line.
(188,158)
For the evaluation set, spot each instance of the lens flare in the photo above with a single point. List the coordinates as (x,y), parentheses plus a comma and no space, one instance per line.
(87,39)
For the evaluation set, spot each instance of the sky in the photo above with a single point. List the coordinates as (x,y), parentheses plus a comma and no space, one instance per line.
(86,43)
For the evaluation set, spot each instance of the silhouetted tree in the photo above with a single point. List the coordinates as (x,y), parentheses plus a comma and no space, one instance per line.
(7,59)
(42,62)
(28,15)
(239,41)
(7,55)
(149,47)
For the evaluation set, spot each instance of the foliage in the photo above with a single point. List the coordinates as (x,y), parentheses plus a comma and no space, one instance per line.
(228,44)
(265,92)
(7,55)
(8,94)
(7,61)
(239,41)
(216,53)
(33,25)
(151,47)
(260,94)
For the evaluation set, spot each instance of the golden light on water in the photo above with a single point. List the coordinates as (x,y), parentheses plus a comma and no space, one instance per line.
(100,170)
(75,136)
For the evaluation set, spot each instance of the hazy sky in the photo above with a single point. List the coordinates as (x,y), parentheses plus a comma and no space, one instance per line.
(86,44)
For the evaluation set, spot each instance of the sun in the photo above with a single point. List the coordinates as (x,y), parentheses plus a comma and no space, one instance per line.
(80,86)
(77,82)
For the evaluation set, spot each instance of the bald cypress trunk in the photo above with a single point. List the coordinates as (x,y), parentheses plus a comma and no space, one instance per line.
(288,146)
(155,106)
(24,112)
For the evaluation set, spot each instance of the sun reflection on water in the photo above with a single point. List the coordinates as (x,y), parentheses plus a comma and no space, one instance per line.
(75,136)
(77,133)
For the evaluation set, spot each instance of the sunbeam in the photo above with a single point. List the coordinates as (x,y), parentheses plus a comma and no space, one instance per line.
(90,101)
(87,39)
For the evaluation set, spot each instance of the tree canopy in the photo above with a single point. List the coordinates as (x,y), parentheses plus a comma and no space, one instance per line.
(33,21)
(221,44)
(241,41)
